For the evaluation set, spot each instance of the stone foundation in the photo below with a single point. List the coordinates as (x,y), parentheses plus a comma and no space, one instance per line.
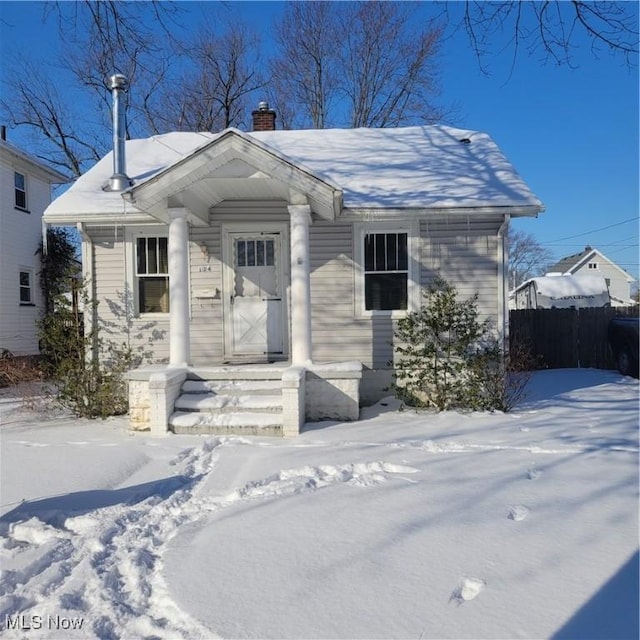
(139,405)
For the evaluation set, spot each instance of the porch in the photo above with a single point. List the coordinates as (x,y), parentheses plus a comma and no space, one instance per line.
(254,399)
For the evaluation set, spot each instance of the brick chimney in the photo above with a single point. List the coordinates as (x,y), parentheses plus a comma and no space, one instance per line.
(264,119)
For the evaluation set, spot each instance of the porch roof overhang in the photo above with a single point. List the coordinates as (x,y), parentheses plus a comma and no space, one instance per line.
(233,166)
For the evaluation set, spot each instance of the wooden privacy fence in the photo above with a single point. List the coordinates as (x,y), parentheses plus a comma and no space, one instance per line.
(567,338)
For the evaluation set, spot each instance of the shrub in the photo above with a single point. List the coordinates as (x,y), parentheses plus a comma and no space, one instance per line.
(448,358)
(15,370)
(87,369)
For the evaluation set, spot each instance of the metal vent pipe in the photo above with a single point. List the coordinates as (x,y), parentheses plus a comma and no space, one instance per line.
(119,180)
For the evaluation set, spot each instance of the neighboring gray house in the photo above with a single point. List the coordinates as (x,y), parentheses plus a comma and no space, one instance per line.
(593,262)
(25,188)
(267,269)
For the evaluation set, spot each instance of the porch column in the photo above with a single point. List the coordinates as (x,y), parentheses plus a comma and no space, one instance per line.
(178,288)
(300,284)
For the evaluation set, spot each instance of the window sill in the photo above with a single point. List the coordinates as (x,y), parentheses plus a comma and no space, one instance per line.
(21,209)
(27,304)
(394,314)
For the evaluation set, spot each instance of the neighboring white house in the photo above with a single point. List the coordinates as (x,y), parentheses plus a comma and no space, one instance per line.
(25,192)
(561,292)
(295,248)
(593,262)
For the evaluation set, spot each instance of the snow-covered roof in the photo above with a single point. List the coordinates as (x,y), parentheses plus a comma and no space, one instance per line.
(410,167)
(566,285)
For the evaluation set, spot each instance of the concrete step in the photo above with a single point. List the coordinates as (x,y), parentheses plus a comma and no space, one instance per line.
(242,423)
(239,373)
(214,403)
(233,387)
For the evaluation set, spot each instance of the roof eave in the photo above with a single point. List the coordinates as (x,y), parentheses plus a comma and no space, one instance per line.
(373,212)
(91,217)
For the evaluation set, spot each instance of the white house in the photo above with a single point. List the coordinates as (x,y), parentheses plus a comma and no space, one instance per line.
(25,188)
(594,262)
(266,269)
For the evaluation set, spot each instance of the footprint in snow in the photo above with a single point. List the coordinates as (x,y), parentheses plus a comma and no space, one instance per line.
(533,474)
(467,590)
(518,512)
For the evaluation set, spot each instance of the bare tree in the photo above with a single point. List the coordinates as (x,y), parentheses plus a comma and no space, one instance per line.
(98,39)
(305,73)
(359,64)
(104,37)
(527,257)
(548,28)
(213,94)
(389,70)
(61,137)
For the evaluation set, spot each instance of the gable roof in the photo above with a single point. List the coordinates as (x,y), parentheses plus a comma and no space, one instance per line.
(232,165)
(571,264)
(38,167)
(425,167)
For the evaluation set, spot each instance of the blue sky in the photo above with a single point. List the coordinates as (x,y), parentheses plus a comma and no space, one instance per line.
(571,133)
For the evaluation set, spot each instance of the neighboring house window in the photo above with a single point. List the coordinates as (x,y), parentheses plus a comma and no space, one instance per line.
(386,271)
(26,293)
(593,265)
(152,273)
(20,182)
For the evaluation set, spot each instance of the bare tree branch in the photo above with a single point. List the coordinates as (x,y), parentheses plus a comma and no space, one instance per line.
(527,257)
(551,28)
(305,73)
(37,104)
(214,92)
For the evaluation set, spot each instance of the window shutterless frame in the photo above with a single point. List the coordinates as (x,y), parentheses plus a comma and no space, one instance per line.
(20,190)
(152,273)
(386,269)
(26,293)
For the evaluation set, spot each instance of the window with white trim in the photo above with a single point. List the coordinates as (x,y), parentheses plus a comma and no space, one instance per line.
(26,284)
(386,271)
(152,274)
(593,265)
(20,190)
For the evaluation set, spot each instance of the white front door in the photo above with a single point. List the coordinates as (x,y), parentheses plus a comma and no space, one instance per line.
(255,318)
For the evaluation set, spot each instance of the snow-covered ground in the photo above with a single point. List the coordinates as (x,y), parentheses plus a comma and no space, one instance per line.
(402,525)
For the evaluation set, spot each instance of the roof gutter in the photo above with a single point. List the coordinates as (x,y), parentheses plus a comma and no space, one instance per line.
(503,273)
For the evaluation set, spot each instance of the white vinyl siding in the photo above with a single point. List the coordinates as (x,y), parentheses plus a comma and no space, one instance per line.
(20,237)
(113,288)
(207,335)
(462,250)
